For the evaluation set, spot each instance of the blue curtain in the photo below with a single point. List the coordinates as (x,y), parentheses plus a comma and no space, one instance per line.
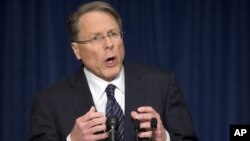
(204,42)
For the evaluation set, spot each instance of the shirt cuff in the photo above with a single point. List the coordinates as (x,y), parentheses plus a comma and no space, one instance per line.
(168,137)
(68,138)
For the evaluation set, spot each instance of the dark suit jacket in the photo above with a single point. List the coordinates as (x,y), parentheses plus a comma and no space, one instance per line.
(56,108)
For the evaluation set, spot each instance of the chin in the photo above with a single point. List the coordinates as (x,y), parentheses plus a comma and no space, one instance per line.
(111,74)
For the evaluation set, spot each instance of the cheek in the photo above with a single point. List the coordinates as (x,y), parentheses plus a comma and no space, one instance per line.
(121,51)
(90,57)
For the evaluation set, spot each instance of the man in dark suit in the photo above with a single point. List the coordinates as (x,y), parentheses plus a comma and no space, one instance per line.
(77,107)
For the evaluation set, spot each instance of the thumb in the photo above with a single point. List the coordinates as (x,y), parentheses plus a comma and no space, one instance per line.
(92,109)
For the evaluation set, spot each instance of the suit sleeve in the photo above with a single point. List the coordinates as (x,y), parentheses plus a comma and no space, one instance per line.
(42,126)
(179,122)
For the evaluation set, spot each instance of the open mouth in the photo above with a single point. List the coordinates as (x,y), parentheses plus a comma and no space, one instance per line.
(111,61)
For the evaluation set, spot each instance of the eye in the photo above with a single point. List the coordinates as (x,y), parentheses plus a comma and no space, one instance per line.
(114,34)
(95,38)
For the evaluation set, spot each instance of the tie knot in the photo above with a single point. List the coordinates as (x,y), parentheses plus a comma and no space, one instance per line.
(110,90)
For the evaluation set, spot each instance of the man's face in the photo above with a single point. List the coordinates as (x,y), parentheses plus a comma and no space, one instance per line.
(105,58)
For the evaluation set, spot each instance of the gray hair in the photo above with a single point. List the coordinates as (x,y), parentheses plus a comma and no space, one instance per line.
(88,7)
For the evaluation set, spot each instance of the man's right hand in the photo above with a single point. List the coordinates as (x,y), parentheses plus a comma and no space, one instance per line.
(87,125)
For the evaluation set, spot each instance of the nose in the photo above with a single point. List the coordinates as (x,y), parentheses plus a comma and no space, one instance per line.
(108,44)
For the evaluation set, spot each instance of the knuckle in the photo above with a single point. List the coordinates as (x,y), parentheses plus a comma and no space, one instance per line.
(78,121)
(86,138)
(92,122)
(157,115)
(84,133)
(88,116)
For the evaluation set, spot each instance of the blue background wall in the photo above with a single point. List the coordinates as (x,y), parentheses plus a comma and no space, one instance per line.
(205,42)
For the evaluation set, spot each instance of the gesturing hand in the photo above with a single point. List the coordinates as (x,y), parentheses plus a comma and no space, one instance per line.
(87,125)
(144,115)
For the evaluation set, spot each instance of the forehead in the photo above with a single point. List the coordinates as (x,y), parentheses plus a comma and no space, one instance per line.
(97,22)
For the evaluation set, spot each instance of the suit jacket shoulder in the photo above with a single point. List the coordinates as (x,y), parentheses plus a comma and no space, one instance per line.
(56,108)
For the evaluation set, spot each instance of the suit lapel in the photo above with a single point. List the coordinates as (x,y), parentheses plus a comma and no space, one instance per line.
(81,97)
(134,91)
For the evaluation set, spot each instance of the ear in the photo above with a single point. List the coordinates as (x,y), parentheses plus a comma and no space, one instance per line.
(76,51)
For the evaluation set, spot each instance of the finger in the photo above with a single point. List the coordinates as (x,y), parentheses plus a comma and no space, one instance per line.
(91,114)
(84,122)
(100,136)
(92,109)
(97,121)
(133,114)
(94,126)
(98,129)
(145,125)
(146,109)
(144,116)
(146,134)
(152,113)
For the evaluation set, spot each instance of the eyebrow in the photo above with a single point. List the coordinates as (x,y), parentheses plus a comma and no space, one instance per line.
(99,33)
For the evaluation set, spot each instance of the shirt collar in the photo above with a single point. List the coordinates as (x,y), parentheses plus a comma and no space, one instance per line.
(100,85)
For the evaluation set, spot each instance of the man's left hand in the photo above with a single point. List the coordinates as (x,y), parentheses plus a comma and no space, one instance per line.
(144,114)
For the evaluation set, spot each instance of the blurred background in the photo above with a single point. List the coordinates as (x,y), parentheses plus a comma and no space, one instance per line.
(206,43)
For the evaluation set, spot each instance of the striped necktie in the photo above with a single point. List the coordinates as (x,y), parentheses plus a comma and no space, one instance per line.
(114,109)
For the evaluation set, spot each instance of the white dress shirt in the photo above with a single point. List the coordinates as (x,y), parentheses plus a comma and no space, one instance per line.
(97,87)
